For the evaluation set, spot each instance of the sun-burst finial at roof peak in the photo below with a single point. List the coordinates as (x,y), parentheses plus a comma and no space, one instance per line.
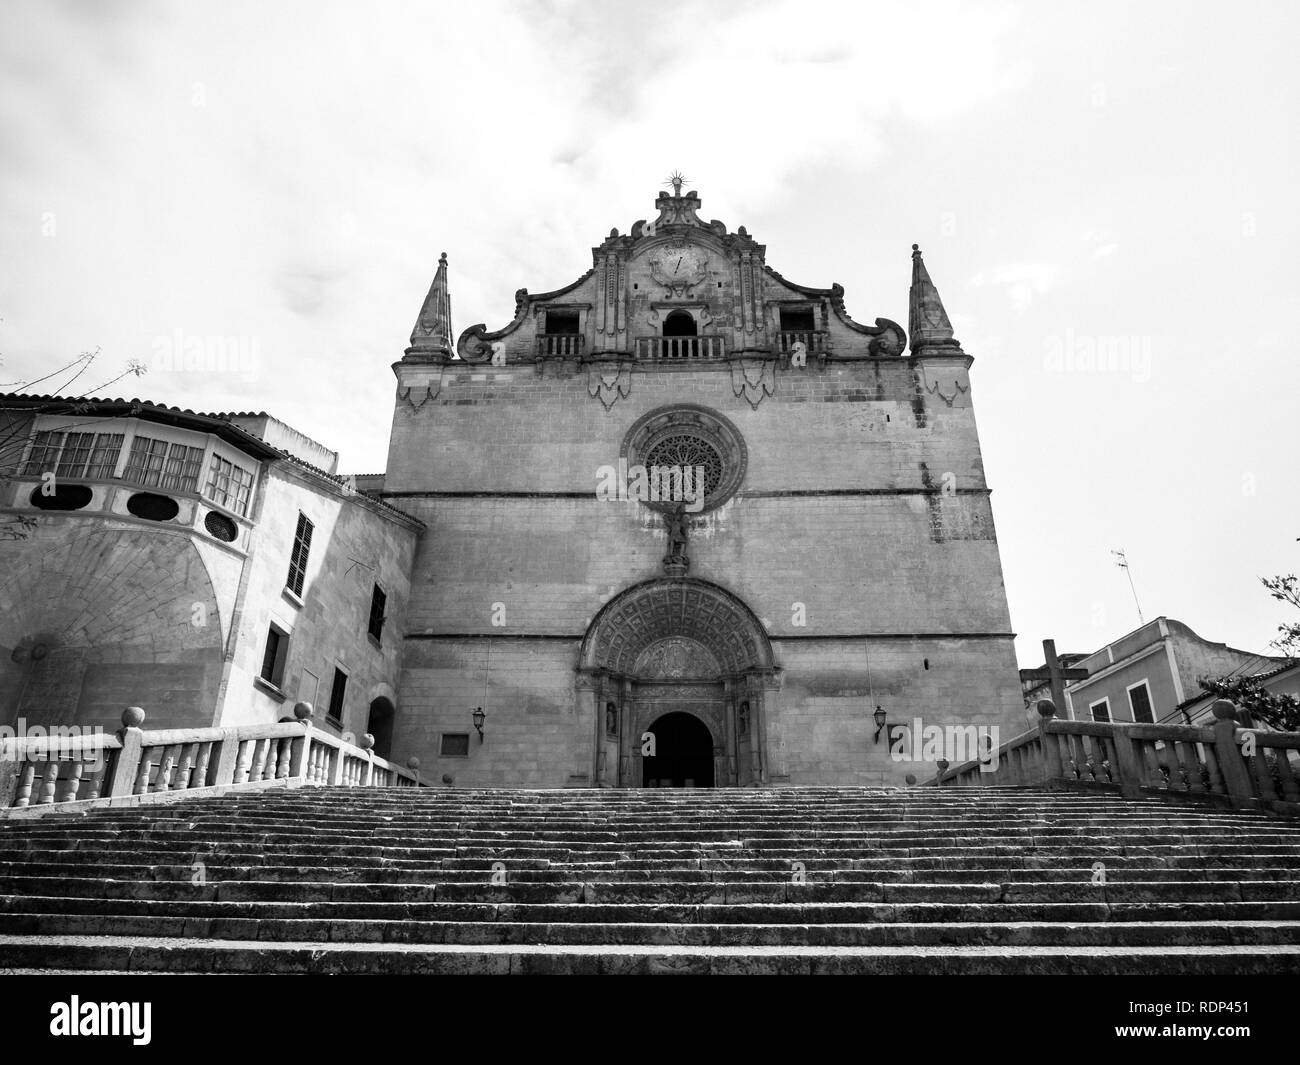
(676,179)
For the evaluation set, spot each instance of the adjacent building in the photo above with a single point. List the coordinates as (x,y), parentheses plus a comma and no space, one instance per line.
(1152,674)
(210,568)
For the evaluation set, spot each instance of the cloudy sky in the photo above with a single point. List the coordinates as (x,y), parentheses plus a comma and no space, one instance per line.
(1104,193)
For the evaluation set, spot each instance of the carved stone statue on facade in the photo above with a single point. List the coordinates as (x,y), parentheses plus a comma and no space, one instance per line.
(678,525)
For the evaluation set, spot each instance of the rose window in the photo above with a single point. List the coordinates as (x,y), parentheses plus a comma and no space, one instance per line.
(686,450)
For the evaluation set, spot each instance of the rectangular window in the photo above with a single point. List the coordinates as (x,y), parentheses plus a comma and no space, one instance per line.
(45,454)
(1139,699)
(277,647)
(104,455)
(1100,710)
(298,558)
(181,470)
(145,466)
(229,485)
(377,603)
(336,695)
(74,455)
(455,745)
(562,323)
(800,321)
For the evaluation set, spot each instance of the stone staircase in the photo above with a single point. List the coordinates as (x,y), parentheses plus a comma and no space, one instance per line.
(791,880)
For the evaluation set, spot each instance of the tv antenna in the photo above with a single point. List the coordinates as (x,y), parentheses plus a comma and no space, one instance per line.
(1121,560)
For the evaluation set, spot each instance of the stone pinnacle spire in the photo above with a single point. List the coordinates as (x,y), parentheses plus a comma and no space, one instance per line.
(432,332)
(928,326)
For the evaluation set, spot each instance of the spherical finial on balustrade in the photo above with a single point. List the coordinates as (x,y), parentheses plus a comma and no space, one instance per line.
(1224,710)
(413,764)
(1046,708)
(366,741)
(943,764)
(132,717)
(303,711)
(910,778)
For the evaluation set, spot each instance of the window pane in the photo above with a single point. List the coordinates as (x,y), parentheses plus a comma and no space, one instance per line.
(228,484)
(1140,700)
(145,465)
(45,453)
(103,459)
(337,693)
(454,744)
(76,453)
(270,656)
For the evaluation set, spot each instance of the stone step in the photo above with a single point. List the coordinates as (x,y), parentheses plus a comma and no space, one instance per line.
(218,869)
(650,912)
(1093,934)
(156,954)
(604,891)
(400,880)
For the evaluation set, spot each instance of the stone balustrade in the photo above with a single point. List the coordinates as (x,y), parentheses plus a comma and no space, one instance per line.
(1247,768)
(559,345)
(696,347)
(814,343)
(76,771)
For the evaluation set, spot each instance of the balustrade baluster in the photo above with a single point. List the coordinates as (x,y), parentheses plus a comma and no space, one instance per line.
(141,786)
(1192,768)
(1152,777)
(244,762)
(163,781)
(184,766)
(1217,786)
(1263,774)
(95,782)
(1290,792)
(259,761)
(200,774)
(23,794)
(71,780)
(49,780)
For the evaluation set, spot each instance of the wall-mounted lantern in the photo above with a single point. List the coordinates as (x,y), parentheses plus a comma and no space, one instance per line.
(881,718)
(479,717)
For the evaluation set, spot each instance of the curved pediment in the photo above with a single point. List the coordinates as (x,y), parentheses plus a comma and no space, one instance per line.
(725,304)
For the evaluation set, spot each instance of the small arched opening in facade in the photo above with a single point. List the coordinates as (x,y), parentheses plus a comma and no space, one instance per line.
(680,324)
(380,726)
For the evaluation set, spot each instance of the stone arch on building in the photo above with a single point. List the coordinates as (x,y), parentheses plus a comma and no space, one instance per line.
(94,619)
(680,323)
(379,724)
(676,645)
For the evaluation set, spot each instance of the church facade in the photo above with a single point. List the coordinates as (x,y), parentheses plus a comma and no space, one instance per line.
(687,523)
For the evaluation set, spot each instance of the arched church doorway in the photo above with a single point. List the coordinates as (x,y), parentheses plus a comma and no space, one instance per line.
(670,649)
(683,755)
(380,725)
(680,324)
